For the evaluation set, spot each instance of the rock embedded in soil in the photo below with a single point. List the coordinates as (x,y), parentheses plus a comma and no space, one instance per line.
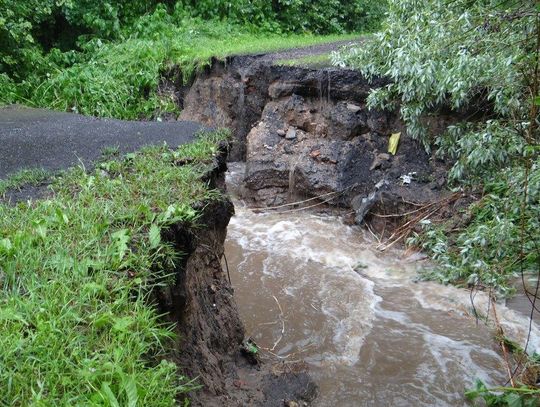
(316,137)
(291,134)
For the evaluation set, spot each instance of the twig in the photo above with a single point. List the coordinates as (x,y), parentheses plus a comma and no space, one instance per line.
(287,356)
(227,267)
(306,207)
(218,258)
(282,324)
(399,215)
(500,331)
(373,234)
(393,240)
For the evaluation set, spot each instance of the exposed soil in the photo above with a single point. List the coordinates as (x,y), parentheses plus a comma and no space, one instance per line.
(306,132)
(210,332)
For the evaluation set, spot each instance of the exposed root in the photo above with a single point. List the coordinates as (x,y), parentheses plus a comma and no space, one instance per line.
(421,214)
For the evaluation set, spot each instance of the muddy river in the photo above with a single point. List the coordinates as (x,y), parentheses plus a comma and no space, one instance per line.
(311,288)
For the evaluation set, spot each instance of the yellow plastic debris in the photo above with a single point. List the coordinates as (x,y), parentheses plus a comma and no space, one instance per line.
(393,143)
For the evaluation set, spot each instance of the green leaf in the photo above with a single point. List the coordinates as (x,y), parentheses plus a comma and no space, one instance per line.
(103,320)
(108,395)
(479,388)
(6,246)
(121,239)
(537,100)
(122,324)
(154,236)
(62,217)
(41,231)
(94,289)
(513,400)
(130,387)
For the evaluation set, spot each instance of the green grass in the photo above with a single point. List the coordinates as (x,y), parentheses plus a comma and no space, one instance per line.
(249,43)
(24,177)
(120,79)
(76,273)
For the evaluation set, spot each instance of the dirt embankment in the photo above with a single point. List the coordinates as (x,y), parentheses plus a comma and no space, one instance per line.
(303,133)
(210,332)
(306,132)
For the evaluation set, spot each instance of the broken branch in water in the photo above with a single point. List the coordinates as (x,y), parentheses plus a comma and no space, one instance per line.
(421,214)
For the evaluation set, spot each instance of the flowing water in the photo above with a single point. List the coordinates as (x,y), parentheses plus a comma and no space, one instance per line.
(311,288)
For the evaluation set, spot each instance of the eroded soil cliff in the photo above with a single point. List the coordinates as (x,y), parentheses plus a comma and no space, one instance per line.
(210,333)
(306,132)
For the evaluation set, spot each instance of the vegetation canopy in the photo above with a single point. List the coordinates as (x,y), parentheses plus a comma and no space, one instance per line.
(106,58)
(478,59)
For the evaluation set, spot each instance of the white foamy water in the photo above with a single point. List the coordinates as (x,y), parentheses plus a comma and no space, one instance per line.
(377,338)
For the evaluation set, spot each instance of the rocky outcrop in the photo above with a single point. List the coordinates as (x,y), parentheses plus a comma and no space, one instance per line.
(230,93)
(307,132)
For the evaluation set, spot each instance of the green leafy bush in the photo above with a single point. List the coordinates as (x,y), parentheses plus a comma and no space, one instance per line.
(319,16)
(30,28)
(480,60)
(477,59)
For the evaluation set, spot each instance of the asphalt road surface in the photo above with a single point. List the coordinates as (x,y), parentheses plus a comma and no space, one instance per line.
(36,138)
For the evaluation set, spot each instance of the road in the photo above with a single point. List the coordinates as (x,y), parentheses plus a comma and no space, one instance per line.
(36,138)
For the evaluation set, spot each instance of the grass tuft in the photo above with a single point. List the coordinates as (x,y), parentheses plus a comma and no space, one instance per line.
(22,178)
(311,61)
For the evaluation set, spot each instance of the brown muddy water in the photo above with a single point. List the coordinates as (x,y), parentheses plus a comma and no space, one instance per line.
(371,337)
